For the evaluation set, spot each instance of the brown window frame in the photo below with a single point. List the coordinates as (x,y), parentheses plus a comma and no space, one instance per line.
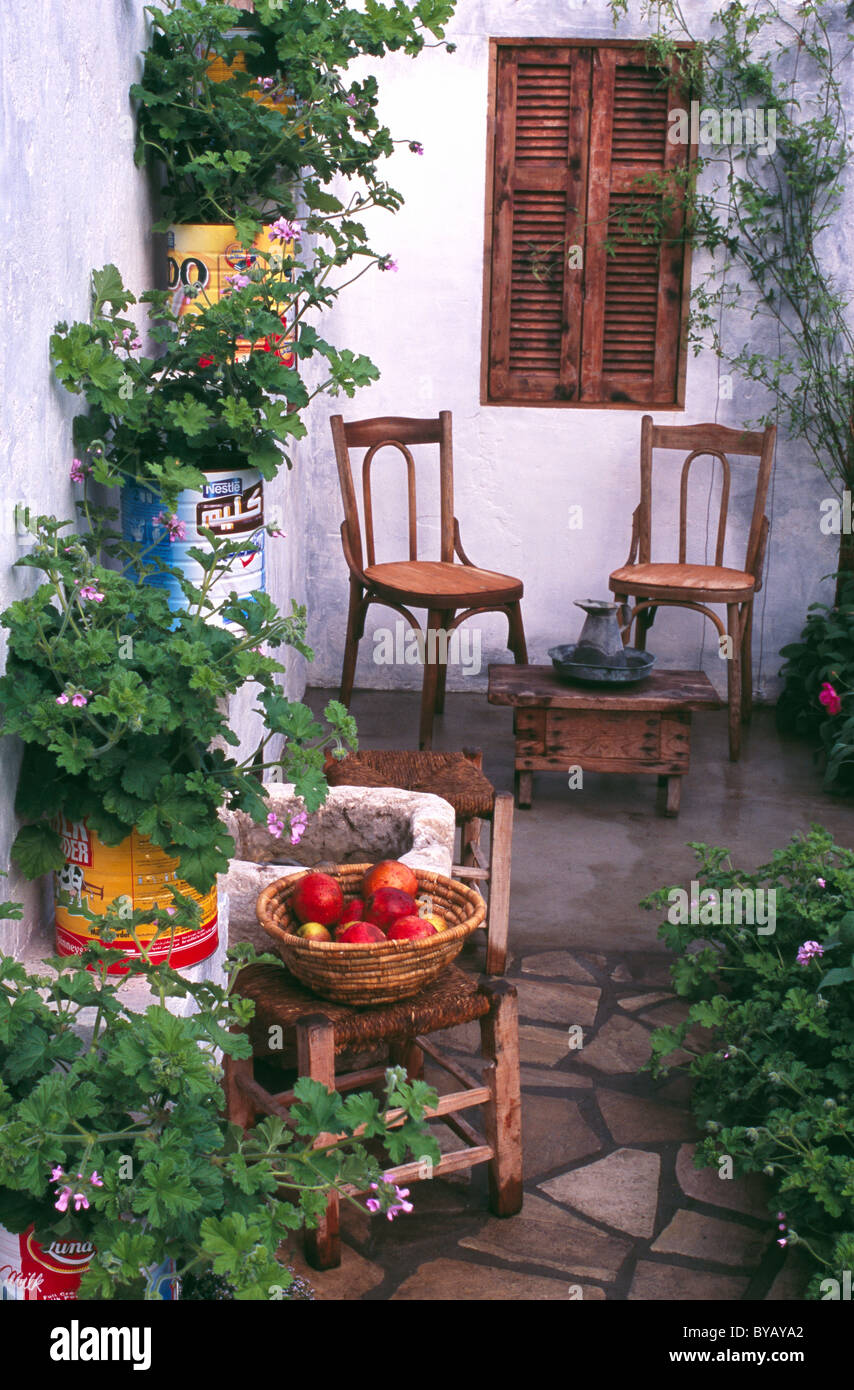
(579,294)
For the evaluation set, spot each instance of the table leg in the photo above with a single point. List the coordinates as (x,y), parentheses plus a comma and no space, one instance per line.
(669,795)
(524,783)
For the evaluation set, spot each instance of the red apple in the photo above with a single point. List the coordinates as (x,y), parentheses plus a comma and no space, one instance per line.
(410,929)
(390,873)
(387,904)
(360,933)
(353,912)
(318,898)
(314,931)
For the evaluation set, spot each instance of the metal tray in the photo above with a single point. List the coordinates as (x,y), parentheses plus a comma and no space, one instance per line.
(638,664)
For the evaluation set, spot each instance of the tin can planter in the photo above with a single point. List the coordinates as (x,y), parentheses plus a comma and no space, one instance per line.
(30,1272)
(202,258)
(231,504)
(138,875)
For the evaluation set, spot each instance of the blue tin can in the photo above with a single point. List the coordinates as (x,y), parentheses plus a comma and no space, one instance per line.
(230,504)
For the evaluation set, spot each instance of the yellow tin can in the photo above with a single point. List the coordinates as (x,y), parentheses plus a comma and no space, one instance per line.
(136,875)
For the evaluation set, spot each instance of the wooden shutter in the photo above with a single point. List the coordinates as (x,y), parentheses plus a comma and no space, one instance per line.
(632,295)
(575,127)
(539,183)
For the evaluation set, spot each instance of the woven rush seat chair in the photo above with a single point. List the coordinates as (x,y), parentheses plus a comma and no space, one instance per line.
(459,779)
(324,1030)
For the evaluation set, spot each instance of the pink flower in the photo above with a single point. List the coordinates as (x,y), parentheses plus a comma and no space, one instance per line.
(79,699)
(80,1201)
(275,825)
(96,1181)
(62,699)
(808,950)
(57,1174)
(78,472)
(830,699)
(266,83)
(177,529)
(372,1204)
(782,1241)
(298,826)
(416,147)
(238,282)
(89,592)
(822,883)
(283,230)
(62,1203)
(170,911)
(351,100)
(389,264)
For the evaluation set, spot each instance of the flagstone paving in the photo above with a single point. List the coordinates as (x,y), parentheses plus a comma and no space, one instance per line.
(614,1208)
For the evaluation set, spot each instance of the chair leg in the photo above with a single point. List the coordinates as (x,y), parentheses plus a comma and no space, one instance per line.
(747,666)
(499,1031)
(351,644)
(734,683)
(238,1107)
(405,1052)
(643,625)
(442,674)
(498,917)
(516,635)
(431,677)
(316,1058)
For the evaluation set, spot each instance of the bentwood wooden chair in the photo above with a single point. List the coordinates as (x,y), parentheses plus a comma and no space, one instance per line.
(451,592)
(681,585)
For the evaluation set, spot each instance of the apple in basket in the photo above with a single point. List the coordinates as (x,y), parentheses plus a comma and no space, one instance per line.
(360,933)
(318,898)
(389,873)
(314,931)
(353,912)
(410,929)
(387,904)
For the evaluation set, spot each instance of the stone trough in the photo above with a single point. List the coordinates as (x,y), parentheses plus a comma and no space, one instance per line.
(355,825)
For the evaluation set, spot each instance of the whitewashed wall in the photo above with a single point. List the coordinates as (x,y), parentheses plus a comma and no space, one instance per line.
(519,471)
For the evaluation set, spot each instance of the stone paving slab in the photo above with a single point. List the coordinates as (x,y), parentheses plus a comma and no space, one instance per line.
(561,963)
(748,1195)
(674,1283)
(566,1004)
(542,1234)
(553,1134)
(621,1190)
(707,1238)
(454,1281)
(636,1120)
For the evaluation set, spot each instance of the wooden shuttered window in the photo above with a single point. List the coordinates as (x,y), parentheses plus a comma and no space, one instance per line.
(584,297)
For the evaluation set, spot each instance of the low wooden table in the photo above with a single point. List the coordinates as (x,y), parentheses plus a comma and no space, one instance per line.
(643,727)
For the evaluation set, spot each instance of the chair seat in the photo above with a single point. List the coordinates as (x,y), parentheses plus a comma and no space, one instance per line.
(449,775)
(455,997)
(437,584)
(705,582)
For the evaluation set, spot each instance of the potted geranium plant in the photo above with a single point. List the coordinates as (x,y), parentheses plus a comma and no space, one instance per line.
(116,1159)
(122,706)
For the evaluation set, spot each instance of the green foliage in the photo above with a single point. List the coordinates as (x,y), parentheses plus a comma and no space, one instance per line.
(774,1089)
(824,656)
(136,1103)
(226,155)
(200,402)
(136,749)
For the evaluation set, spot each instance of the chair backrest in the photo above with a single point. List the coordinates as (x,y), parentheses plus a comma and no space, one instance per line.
(396,432)
(717,442)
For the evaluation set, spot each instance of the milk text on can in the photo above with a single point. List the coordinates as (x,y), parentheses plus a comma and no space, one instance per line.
(230,504)
(136,875)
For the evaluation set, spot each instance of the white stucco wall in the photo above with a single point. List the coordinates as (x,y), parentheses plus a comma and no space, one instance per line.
(520,470)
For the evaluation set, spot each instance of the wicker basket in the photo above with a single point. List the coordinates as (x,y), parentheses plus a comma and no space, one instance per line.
(380,972)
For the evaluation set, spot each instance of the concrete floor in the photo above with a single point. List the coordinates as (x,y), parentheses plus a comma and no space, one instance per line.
(583,859)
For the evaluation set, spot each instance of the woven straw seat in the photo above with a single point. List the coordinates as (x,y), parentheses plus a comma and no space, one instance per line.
(453,776)
(456,997)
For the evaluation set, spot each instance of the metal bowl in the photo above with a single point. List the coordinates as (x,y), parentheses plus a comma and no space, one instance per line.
(638,664)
